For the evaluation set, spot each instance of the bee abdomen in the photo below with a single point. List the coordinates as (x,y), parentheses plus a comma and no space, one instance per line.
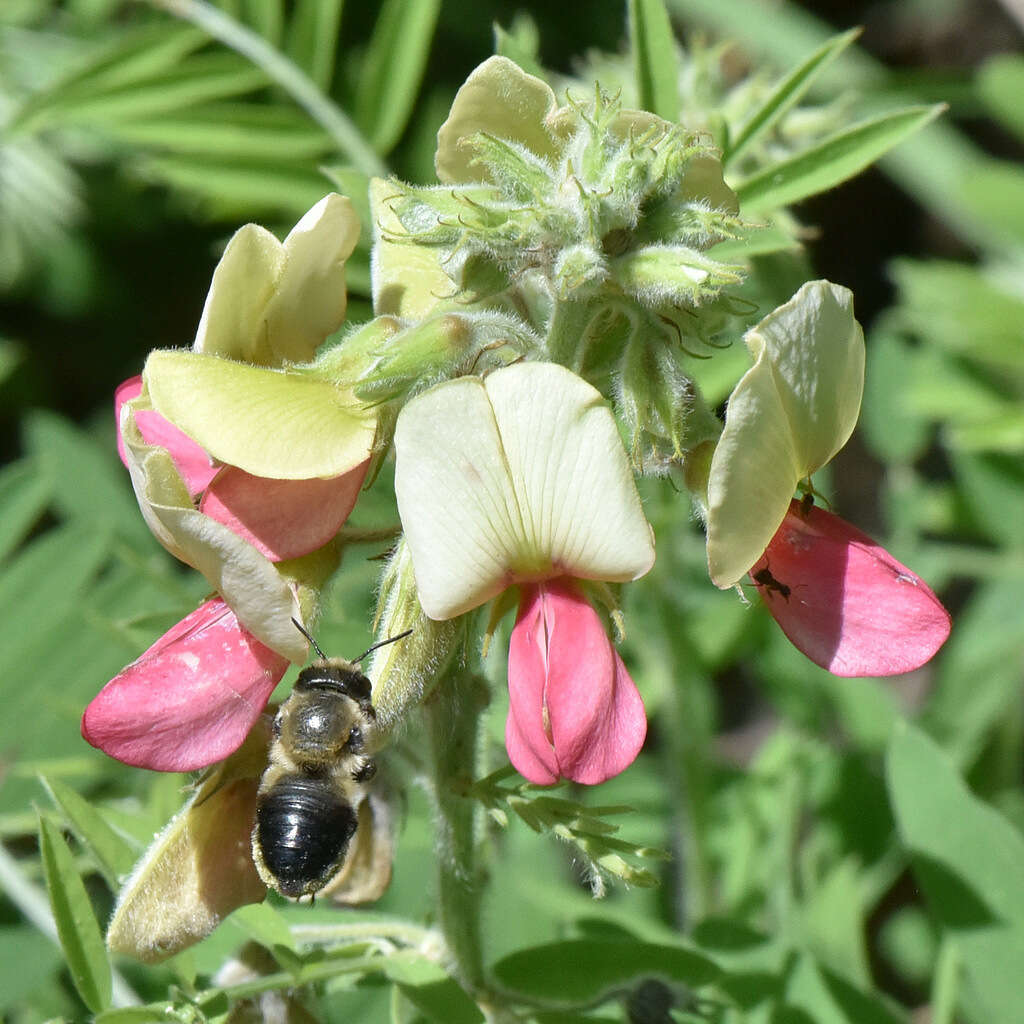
(303,828)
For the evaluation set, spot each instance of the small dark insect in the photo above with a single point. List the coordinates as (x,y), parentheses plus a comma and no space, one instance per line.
(308,801)
(763,577)
(806,504)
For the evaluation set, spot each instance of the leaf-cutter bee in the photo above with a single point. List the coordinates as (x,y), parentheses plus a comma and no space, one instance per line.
(307,807)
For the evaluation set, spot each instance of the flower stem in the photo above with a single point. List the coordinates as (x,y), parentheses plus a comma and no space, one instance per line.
(453,715)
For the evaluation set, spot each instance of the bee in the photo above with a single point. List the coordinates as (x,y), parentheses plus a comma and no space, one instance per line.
(307,806)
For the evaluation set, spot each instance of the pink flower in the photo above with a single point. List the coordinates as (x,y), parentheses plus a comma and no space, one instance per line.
(191,699)
(574,712)
(520,479)
(282,519)
(844,601)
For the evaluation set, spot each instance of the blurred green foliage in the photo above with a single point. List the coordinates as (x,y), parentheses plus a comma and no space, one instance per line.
(842,850)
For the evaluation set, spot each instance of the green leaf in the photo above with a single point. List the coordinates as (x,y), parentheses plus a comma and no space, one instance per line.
(29,960)
(89,483)
(77,928)
(1001,85)
(114,854)
(393,68)
(233,189)
(979,678)
(241,131)
(786,94)
(967,859)
(25,490)
(831,161)
(312,38)
(40,587)
(132,57)
(266,17)
(655,59)
(198,79)
(894,431)
(520,43)
(582,970)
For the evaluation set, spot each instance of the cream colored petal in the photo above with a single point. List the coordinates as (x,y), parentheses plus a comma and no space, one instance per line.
(518,477)
(787,417)
(261,599)
(232,324)
(311,298)
(271,303)
(284,425)
(580,508)
(499,98)
(817,350)
(455,498)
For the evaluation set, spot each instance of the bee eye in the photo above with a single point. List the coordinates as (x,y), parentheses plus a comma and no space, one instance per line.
(355,739)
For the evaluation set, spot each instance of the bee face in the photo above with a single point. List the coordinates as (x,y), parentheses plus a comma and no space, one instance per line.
(308,802)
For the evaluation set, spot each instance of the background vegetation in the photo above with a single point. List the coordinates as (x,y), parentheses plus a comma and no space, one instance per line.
(827,862)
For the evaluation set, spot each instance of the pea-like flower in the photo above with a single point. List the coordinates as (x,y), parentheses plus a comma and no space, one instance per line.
(520,479)
(840,598)
(240,462)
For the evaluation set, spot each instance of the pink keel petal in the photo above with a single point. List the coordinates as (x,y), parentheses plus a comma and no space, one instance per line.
(125,392)
(190,459)
(190,700)
(574,712)
(844,601)
(283,518)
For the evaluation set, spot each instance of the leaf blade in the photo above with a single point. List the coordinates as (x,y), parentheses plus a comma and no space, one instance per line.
(395,61)
(77,927)
(832,161)
(787,93)
(654,58)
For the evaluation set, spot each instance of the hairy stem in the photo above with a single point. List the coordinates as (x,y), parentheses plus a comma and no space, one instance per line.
(453,715)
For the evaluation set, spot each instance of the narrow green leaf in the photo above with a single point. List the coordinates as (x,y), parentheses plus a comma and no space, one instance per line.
(966,857)
(115,855)
(581,970)
(267,18)
(831,161)
(76,924)
(236,189)
(40,586)
(133,57)
(1001,84)
(312,38)
(241,131)
(787,93)
(202,78)
(393,67)
(654,58)
(25,490)
(89,483)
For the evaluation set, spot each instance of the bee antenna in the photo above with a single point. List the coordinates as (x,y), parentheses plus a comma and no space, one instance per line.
(316,647)
(380,643)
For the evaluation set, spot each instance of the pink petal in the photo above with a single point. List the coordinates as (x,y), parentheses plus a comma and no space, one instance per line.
(125,392)
(191,699)
(574,712)
(283,518)
(844,601)
(190,459)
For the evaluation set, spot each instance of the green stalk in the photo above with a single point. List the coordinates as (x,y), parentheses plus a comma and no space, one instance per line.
(452,716)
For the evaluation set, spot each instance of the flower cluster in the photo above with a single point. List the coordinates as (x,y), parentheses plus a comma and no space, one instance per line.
(527,359)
